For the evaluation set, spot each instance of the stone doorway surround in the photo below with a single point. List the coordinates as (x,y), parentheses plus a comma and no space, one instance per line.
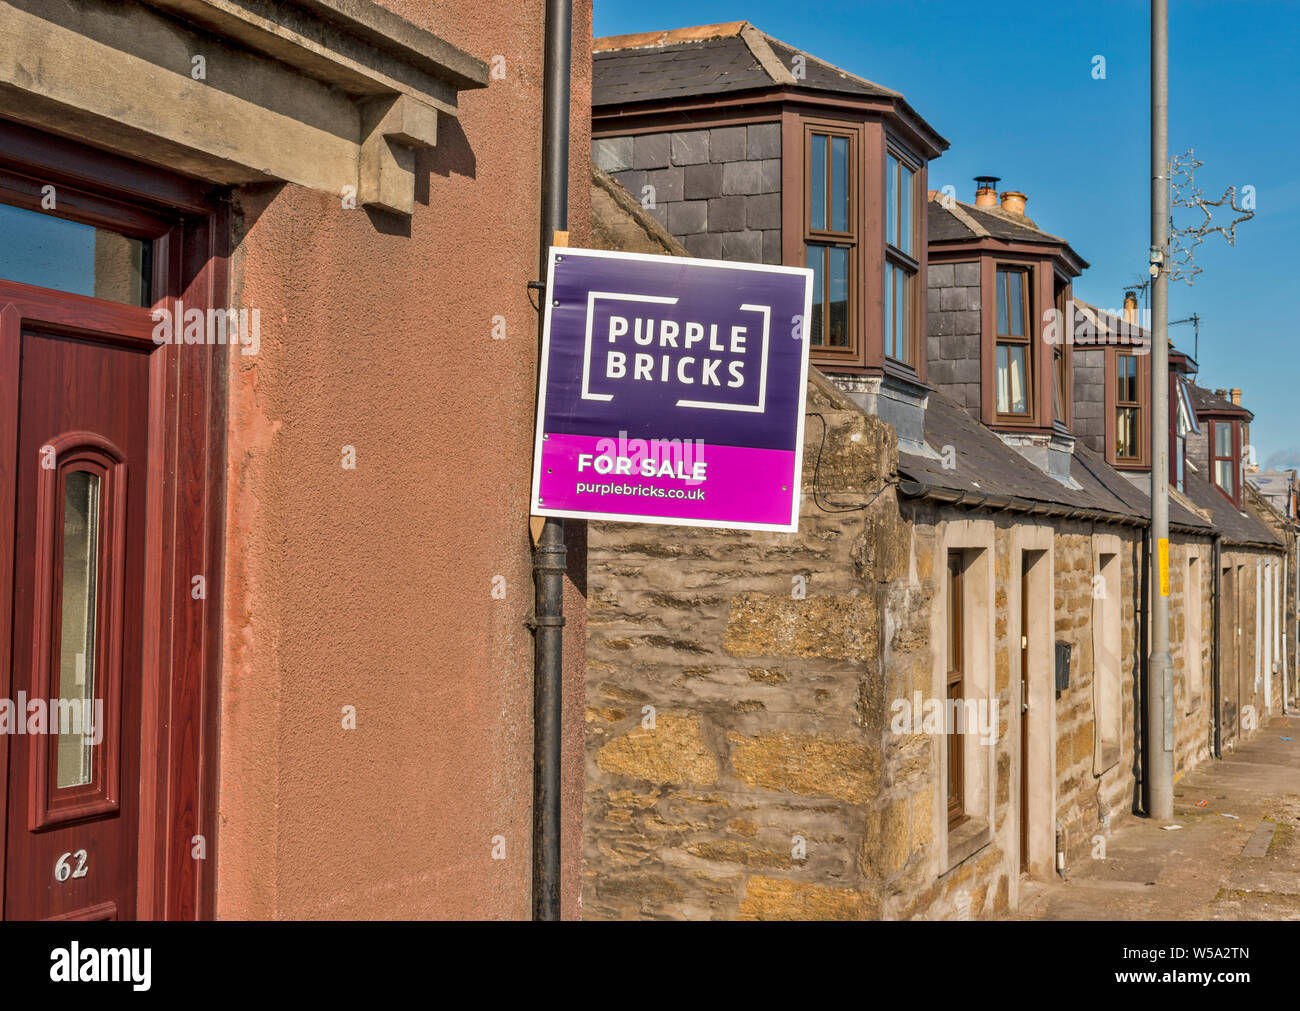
(334,95)
(1040,764)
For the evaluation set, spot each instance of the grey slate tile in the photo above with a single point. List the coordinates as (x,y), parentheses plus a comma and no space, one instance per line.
(686,217)
(763,141)
(763,211)
(727,143)
(613,154)
(651,150)
(667,184)
(747,246)
(702,181)
(742,177)
(690,147)
(727,214)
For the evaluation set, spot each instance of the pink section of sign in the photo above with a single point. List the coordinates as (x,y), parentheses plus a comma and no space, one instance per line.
(599,475)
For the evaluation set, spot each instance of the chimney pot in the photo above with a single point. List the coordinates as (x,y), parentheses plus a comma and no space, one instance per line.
(1221,392)
(986,191)
(1130,307)
(1013,202)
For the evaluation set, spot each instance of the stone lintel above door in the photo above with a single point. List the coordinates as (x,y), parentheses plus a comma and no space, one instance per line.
(328,94)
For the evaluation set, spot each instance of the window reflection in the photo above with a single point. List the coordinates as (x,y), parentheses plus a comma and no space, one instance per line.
(839,184)
(77,631)
(50,252)
(817,181)
(1012,398)
(838,277)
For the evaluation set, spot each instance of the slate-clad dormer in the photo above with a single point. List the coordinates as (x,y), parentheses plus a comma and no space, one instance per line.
(746,148)
(998,295)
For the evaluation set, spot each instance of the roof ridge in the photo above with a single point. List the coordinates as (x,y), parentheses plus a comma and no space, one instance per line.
(669,36)
(760,48)
(829,66)
(955,209)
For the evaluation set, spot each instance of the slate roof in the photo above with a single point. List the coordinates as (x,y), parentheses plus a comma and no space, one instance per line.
(694,68)
(987,466)
(1235,526)
(823,76)
(956,221)
(1272,483)
(711,59)
(1203,401)
(1275,486)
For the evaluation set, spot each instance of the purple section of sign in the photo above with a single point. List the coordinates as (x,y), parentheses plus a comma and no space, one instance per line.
(693,481)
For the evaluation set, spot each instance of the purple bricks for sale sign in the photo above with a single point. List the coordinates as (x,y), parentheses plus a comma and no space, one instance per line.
(672,391)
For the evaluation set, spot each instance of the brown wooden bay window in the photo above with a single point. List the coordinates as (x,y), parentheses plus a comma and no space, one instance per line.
(1060,364)
(1128,409)
(1224,459)
(831,234)
(1058,387)
(901,262)
(1014,376)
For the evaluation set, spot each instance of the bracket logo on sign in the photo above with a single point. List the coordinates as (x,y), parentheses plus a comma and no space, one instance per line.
(672,391)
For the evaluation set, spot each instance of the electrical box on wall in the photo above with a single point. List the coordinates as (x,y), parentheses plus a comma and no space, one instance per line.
(1063,650)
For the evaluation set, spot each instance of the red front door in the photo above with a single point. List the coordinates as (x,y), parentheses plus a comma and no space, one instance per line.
(111,463)
(73,793)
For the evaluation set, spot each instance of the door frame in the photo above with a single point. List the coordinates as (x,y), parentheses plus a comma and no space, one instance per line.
(1032,562)
(189,225)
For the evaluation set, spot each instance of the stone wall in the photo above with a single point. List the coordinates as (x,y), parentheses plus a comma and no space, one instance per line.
(1242,692)
(1287,656)
(735,757)
(717,190)
(953,291)
(1088,800)
(935,872)
(1193,729)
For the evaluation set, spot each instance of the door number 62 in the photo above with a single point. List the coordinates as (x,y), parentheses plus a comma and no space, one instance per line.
(64,870)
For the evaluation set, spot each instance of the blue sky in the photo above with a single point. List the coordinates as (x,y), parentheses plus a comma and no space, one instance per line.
(1011,86)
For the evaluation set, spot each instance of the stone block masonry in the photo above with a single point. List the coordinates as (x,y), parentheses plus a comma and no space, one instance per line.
(735,755)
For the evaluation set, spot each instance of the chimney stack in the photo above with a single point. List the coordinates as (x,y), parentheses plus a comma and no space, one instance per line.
(1222,393)
(986,191)
(1236,396)
(1131,307)
(1013,202)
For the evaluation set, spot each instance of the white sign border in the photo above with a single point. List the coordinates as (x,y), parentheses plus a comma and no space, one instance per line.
(796,498)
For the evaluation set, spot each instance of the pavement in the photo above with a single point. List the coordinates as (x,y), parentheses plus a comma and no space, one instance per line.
(1215,867)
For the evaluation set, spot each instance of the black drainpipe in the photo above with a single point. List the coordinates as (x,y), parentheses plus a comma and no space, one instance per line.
(1143,612)
(549,560)
(1216,589)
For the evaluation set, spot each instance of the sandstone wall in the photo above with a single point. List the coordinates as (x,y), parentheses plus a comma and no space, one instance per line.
(734,754)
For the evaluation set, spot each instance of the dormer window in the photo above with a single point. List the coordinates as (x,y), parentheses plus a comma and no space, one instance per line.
(1060,364)
(1014,344)
(831,235)
(901,262)
(1184,425)
(1225,458)
(1128,409)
